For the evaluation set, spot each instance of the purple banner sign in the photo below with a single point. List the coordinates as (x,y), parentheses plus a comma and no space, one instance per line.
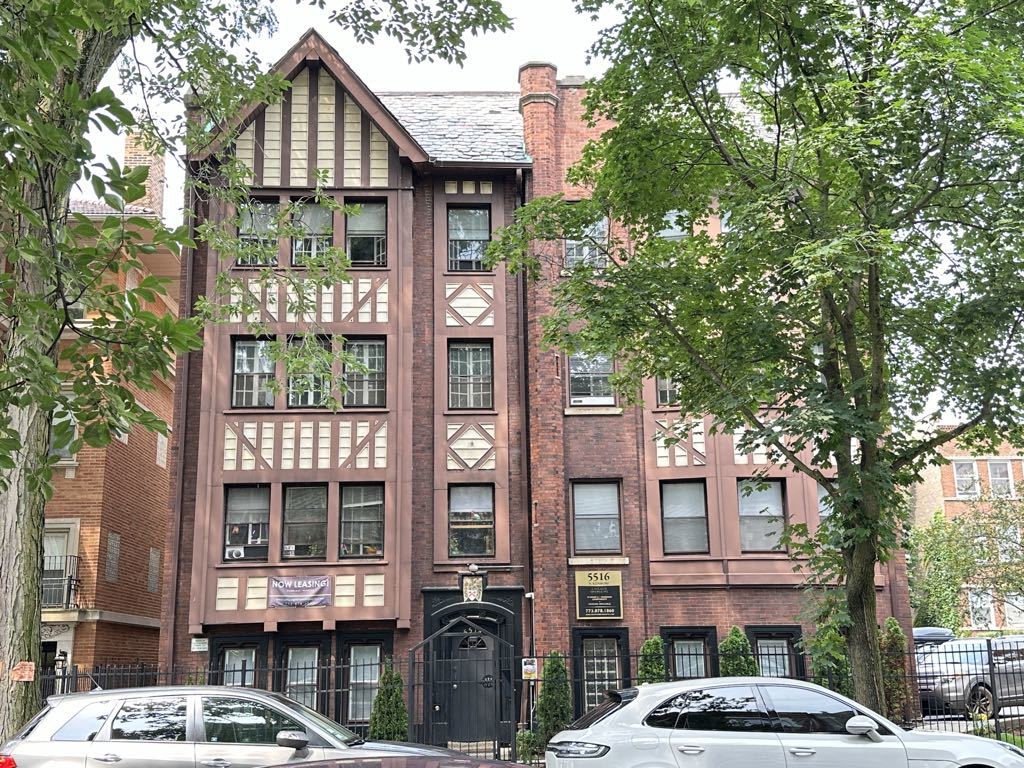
(299,591)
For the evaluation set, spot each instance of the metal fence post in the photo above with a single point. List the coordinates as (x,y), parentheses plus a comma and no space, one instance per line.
(995,692)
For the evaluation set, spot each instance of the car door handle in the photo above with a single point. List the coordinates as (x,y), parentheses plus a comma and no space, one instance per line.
(217,762)
(108,758)
(803,751)
(691,749)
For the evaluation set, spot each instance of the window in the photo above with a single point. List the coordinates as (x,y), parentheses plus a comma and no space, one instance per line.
(979,606)
(684,517)
(257,240)
(366,388)
(239,721)
(677,226)
(762,515)
(160,718)
(113,556)
(803,711)
(362,520)
(471,521)
(247,522)
(1000,479)
(775,650)
(1013,610)
(57,587)
(62,434)
(317,225)
(689,651)
(591,250)
(309,388)
(86,724)
(601,670)
(824,503)
(238,666)
(161,451)
(301,674)
(253,373)
(965,474)
(595,512)
(469,230)
(730,708)
(668,392)
(153,576)
(363,678)
(470,375)
(366,235)
(590,380)
(304,534)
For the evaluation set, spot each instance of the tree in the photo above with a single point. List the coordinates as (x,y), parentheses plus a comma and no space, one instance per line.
(894,670)
(940,563)
(863,159)
(830,658)
(389,719)
(554,706)
(651,666)
(53,56)
(735,656)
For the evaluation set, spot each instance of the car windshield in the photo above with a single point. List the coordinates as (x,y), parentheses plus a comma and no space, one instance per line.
(336,731)
(971,654)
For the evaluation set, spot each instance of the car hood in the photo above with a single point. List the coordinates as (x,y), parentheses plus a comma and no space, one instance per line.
(959,748)
(407,748)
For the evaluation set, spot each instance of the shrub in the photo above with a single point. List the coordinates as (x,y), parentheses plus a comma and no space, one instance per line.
(830,659)
(529,746)
(735,657)
(389,719)
(894,670)
(554,707)
(651,666)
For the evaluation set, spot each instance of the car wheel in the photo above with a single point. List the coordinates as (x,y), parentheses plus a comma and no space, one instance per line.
(980,703)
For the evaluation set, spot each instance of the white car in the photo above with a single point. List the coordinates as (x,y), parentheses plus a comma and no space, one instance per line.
(757,722)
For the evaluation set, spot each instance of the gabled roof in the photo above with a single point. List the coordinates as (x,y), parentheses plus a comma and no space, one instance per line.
(463,127)
(312,47)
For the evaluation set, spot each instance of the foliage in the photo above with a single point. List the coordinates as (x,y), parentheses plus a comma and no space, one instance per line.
(529,746)
(866,281)
(554,705)
(735,656)
(830,656)
(894,670)
(651,665)
(389,719)
(940,563)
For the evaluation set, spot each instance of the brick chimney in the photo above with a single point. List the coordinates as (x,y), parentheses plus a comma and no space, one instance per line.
(538,102)
(136,154)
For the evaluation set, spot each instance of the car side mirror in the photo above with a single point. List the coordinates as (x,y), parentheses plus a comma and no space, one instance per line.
(297,740)
(862,725)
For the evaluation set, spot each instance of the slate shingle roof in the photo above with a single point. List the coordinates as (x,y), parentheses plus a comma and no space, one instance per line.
(99,208)
(469,127)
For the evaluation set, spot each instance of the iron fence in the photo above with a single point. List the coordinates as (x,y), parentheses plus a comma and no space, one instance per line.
(967,686)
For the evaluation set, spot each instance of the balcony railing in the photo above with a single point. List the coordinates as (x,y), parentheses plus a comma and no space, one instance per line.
(60,581)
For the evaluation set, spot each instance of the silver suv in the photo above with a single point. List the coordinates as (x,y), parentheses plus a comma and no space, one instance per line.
(960,676)
(187,727)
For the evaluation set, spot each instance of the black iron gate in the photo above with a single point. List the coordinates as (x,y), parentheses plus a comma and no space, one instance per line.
(462,691)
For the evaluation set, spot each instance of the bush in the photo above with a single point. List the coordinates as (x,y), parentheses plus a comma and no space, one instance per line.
(389,719)
(830,659)
(529,746)
(554,707)
(651,666)
(894,670)
(735,656)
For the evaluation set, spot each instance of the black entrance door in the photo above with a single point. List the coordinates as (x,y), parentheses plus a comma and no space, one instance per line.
(473,708)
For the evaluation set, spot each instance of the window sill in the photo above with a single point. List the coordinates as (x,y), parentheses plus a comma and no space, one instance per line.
(469,272)
(469,412)
(666,409)
(598,560)
(354,561)
(594,410)
(304,411)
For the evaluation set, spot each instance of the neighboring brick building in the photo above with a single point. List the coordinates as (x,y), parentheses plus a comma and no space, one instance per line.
(463,445)
(952,489)
(106,524)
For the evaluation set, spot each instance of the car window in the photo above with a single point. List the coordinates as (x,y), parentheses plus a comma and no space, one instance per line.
(729,708)
(240,721)
(157,719)
(86,723)
(802,711)
(666,714)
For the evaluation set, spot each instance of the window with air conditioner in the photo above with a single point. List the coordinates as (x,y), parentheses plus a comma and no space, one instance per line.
(246,522)
(590,380)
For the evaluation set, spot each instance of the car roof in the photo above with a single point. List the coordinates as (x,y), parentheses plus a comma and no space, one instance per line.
(161,690)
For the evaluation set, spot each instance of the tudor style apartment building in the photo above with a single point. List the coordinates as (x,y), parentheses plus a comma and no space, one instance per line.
(304,537)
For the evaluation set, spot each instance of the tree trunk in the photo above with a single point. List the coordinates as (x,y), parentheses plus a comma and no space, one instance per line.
(865,653)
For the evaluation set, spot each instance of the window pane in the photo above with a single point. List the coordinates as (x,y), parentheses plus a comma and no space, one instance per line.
(684,517)
(979,604)
(733,708)
(305,522)
(762,515)
(592,250)
(152,719)
(600,669)
(803,711)
(86,724)
(300,680)
(773,657)
(239,721)
(257,241)
(590,378)
(364,673)
(966,478)
(239,666)
(371,220)
(366,387)
(666,715)
(469,230)
(309,387)
(470,520)
(253,372)
(362,520)
(596,517)
(668,391)
(1000,479)
(1013,610)
(690,658)
(678,225)
(470,375)
(366,235)
(824,503)
(247,522)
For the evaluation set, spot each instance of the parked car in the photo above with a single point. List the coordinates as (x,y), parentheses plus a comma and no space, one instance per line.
(756,721)
(188,727)
(960,678)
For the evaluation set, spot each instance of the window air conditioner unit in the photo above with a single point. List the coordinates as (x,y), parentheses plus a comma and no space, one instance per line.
(234,553)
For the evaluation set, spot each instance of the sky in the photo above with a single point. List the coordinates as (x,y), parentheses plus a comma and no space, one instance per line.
(544,30)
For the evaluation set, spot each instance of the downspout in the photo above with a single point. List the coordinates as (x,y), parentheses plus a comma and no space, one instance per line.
(524,399)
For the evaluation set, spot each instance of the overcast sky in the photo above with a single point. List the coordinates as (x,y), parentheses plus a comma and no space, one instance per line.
(544,30)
